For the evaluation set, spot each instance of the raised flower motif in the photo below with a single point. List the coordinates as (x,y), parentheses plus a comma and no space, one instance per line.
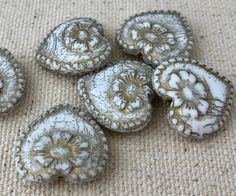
(74,47)
(156,35)
(60,151)
(130,90)
(152,37)
(81,37)
(188,94)
(200,99)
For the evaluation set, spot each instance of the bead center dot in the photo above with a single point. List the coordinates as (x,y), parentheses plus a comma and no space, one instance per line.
(83,35)
(150,36)
(60,151)
(131,89)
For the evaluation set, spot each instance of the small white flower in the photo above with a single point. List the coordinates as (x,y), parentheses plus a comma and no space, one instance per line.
(130,90)
(152,37)
(60,150)
(188,94)
(81,37)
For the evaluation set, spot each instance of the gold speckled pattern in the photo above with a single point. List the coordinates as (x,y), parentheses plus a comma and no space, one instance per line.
(155,161)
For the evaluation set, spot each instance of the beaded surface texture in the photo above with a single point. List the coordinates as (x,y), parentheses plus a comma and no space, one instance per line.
(63,143)
(12,82)
(201,99)
(75,47)
(157,35)
(119,97)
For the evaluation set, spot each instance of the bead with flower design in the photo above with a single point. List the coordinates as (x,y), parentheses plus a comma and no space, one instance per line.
(64,143)
(130,90)
(12,82)
(61,151)
(81,37)
(75,47)
(153,38)
(157,36)
(200,99)
(119,97)
(188,94)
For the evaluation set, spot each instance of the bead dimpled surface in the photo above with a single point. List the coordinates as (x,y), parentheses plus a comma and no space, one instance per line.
(65,142)
(157,35)
(119,96)
(200,98)
(75,47)
(12,82)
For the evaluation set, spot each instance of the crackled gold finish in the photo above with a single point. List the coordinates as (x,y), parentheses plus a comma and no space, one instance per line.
(119,97)
(157,36)
(64,143)
(75,47)
(200,98)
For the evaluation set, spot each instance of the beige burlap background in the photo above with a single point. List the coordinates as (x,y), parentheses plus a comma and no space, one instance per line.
(155,161)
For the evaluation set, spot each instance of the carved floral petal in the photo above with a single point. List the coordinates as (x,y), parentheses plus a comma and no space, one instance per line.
(116,86)
(61,166)
(76,160)
(147,47)
(84,144)
(80,142)
(203,106)
(94,30)
(142,77)
(143,25)
(130,74)
(79,158)
(171,42)
(38,146)
(93,41)
(184,75)
(170,39)
(45,140)
(83,154)
(119,101)
(174,80)
(170,36)
(177,100)
(69,40)
(166,47)
(199,87)
(82,47)
(61,136)
(135,104)
(135,35)
(140,44)
(189,110)
(43,159)
(160,28)
(162,49)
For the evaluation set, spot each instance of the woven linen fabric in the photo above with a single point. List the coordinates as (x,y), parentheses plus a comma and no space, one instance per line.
(154,161)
